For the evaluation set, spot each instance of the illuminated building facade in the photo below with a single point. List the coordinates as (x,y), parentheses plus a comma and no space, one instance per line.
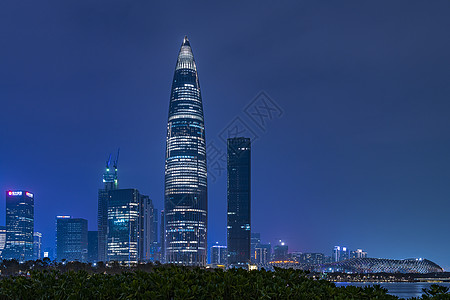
(219,255)
(110,182)
(255,240)
(185,194)
(71,239)
(358,253)
(37,245)
(2,238)
(340,253)
(238,200)
(19,225)
(263,253)
(162,234)
(126,231)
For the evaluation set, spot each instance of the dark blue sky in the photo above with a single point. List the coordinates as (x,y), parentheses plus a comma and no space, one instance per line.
(359,157)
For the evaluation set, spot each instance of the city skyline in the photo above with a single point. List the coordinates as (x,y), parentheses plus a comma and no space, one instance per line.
(360,149)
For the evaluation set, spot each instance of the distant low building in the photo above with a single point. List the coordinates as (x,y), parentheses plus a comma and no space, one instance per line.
(280,252)
(263,253)
(358,253)
(312,258)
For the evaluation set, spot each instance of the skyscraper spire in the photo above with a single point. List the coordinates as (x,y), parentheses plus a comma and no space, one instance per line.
(185,194)
(110,182)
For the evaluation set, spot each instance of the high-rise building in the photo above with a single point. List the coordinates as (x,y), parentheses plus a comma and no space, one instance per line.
(150,237)
(155,253)
(358,253)
(219,255)
(71,239)
(155,226)
(255,240)
(340,253)
(92,255)
(2,239)
(185,194)
(110,182)
(125,226)
(19,225)
(238,199)
(162,234)
(37,245)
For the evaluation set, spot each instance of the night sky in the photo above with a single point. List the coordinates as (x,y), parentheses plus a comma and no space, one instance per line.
(358,153)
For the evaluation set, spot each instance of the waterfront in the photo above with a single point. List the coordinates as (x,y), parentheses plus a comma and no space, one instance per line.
(403,290)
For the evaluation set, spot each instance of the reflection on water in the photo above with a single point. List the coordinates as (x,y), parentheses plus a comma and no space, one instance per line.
(403,290)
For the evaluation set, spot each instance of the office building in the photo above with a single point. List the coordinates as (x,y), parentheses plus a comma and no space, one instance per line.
(358,253)
(219,255)
(125,226)
(71,239)
(19,225)
(340,253)
(255,240)
(263,254)
(110,182)
(238,200)
(162,237)
(150,235)
(312,258)
(2,239)
(92,255)
(185,196)
(37,245)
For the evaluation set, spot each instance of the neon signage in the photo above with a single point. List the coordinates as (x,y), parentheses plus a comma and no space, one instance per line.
(15,193)
(29,194)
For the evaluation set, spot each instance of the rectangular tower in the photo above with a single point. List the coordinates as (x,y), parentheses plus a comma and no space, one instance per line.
(238,197)
(37,245)
(19,225)
(219,255)
(92,246)
(2,239)
(110,182)
(162,234)
(125,226)
(148,215)
(71,239)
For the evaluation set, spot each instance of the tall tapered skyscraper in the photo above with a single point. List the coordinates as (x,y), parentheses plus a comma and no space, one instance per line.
(186,202)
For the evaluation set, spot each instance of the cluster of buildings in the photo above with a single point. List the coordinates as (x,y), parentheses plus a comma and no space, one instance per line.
(127,223)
